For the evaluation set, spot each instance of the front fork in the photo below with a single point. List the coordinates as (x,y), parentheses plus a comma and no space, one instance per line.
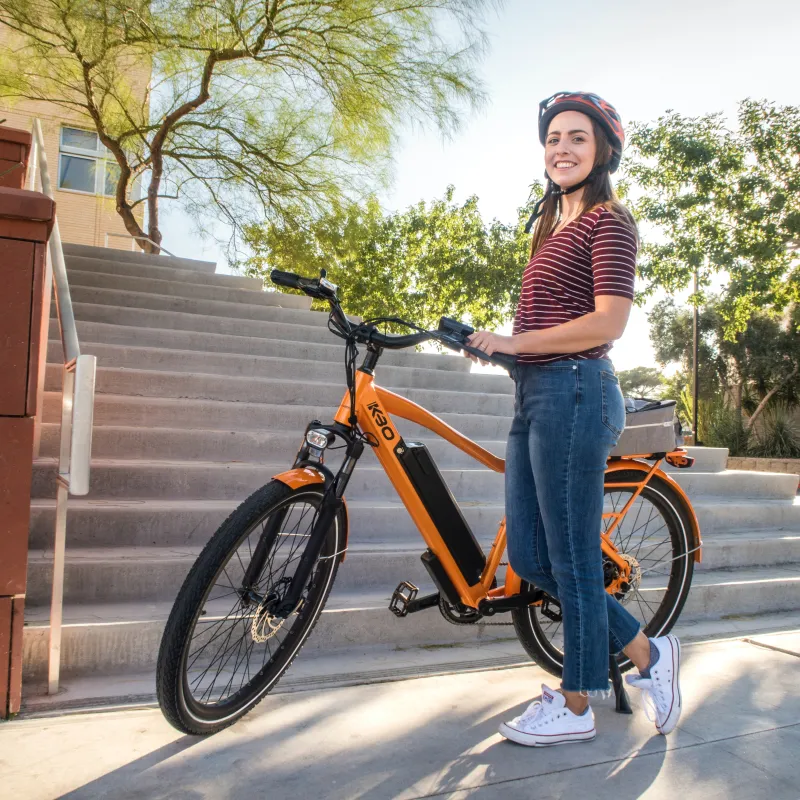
(332,502)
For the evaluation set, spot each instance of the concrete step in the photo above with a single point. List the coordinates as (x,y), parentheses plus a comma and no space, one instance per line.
(128,269)
(174,523)
(168,412)
(271,391)
(181,523)
(731,515)
(760,548)
(189,298)
(114,256)
(239,365)
(122,637)
(366,665)
(136,479)
(132,574)
(737,484)
(191,316)
(200,445)
(330,350)
(199,480)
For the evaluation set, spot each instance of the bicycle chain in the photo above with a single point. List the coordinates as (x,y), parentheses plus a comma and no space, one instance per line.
(481,620)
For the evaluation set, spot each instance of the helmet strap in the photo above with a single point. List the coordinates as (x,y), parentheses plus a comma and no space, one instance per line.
(555,190)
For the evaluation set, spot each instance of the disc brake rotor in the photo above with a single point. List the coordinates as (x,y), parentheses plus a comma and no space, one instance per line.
(631,586)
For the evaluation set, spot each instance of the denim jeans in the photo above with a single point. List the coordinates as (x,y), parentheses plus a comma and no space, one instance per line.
(568,416)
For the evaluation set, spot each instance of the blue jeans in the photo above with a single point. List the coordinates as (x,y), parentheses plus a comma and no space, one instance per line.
(568,416)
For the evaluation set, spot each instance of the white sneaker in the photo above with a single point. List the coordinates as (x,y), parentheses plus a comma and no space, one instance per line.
(548,722)
(661,692)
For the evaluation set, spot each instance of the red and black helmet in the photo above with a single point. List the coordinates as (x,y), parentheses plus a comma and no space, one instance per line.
(592,105)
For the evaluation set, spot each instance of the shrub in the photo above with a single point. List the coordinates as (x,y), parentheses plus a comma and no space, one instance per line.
(778,435)
(721,426)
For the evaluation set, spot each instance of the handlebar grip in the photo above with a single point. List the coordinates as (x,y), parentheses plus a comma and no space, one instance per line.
(504,360)
(288,279)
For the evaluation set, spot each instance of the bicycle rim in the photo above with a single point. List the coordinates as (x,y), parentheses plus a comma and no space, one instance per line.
(233,653)
(655,535)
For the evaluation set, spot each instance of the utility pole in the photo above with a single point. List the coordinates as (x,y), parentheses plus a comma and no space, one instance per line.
(695,353)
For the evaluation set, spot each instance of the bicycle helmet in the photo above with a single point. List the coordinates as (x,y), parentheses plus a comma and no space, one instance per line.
(594,107)
(599,110)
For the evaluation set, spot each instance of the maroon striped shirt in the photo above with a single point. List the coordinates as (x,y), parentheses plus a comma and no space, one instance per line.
(593,255)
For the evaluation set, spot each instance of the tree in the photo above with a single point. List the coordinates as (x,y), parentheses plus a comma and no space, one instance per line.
(432,259)
(639,381)
(722,201)
(746,373)
(255,108)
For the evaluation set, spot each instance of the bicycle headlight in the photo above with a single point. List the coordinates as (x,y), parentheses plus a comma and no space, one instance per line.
(317,439)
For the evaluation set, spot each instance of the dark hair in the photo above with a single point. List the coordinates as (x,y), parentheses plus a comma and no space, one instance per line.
(598,192)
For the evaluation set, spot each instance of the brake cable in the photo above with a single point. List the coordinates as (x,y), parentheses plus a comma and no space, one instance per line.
(365,327)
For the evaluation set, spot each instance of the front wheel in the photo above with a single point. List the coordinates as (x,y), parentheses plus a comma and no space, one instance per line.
(222,651)
(655,536)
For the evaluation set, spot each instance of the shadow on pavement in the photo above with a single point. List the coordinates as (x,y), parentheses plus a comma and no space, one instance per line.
(112,782)
(437,737)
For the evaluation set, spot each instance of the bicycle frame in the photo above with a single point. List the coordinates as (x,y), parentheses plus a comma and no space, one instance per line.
(375,407)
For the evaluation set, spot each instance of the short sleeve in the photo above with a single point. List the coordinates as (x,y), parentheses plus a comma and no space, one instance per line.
(613,247)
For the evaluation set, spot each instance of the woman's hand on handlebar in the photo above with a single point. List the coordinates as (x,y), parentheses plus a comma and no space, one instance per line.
(490,343)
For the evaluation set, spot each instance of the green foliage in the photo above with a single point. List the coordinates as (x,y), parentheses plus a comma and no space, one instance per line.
(778,436)
(721,426)
(432,259)
(640,381)
(757,360)
(255,108)
(721,200)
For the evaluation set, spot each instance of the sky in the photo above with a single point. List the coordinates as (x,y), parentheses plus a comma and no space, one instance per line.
(645,57)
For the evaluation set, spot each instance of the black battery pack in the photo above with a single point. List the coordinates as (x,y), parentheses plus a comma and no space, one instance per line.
(443,509)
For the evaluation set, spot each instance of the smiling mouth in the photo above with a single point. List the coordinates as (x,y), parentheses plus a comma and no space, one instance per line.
(565,164)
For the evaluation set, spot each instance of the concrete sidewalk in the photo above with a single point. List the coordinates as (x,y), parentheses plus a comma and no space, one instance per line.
(437,737)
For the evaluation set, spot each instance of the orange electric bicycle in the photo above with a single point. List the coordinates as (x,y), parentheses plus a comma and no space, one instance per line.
(258,587)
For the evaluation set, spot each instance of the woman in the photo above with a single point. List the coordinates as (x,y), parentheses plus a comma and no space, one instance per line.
(569,413)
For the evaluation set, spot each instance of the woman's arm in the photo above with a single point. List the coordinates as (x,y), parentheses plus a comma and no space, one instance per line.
(605,324)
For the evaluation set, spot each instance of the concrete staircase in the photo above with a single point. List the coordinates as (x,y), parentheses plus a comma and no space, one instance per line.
(204,385)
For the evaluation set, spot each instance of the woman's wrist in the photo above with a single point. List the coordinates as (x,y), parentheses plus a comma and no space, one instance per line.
(521,343)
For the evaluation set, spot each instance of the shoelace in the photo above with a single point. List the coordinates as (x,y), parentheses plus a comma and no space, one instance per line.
(649,699)
(532,712)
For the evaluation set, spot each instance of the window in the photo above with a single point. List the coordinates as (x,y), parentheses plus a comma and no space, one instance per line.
(85,165)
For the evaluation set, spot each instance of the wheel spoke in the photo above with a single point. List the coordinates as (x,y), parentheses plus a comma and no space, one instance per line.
(647,535)
(223,659)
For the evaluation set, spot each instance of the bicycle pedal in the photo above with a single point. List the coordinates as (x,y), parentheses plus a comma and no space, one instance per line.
(402,597)
(551,609)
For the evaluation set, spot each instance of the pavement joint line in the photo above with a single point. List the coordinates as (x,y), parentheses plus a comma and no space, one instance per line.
(759,767)
(617,760)
(308,684)
(134,702)
(771,647)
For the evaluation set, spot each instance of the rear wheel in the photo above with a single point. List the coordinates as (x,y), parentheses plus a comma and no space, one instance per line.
(655,536)
(222,651)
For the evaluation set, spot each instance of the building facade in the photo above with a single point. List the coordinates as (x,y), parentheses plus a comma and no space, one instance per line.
(83,173)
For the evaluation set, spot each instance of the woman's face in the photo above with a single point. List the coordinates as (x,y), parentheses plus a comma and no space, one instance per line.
(569,149)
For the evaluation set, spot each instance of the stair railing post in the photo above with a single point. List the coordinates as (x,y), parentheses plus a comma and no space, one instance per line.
(77,406)
(60,541)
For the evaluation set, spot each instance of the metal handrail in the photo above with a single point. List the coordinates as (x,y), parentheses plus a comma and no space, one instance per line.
(136,238)
(77,411)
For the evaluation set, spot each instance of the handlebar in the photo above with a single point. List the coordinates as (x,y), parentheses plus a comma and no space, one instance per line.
(451,333)
(454,334)
(287,279)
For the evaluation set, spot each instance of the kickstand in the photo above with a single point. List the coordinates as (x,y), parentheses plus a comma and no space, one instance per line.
(623,704)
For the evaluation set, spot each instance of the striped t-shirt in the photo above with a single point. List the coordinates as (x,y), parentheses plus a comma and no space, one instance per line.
(593,255)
